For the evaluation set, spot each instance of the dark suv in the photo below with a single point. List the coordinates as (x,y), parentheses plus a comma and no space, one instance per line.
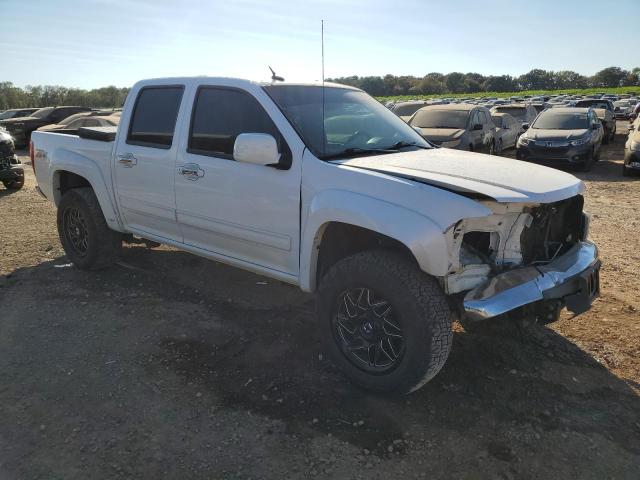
(21,128)
(609,124)
(562,137)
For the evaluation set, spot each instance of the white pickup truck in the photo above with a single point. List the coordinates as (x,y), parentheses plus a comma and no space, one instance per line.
(324,188)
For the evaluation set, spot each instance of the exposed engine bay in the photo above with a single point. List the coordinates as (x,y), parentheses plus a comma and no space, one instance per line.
(515,235)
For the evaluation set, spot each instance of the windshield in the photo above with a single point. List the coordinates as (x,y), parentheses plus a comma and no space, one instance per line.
(43,112)
(553,120)
(519,113)
(7,114)
(352,119)
(497,121)
(405,110)
(432,118)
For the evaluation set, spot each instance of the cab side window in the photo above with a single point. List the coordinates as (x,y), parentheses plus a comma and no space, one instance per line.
(220,115)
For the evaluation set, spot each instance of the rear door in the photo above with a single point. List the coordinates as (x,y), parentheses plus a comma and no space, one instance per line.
(145,162)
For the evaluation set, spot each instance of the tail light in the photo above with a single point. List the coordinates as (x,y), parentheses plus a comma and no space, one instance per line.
(32,157)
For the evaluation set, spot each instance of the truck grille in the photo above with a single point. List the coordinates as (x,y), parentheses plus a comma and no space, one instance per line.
(555,228)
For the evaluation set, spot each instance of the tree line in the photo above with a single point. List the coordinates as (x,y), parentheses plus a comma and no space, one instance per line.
(47,96)
(456,82)
(432,83)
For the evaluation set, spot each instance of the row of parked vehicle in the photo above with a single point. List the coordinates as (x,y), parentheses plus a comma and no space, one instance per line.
(555,131)
(17,125)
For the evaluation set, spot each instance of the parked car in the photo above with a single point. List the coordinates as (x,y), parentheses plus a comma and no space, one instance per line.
(539,107)
(16,112)
(21,128)
(596,103)
(632,150)
(562,137)
(460,126)
(393,234)
(524,113)
(608,124)
(508,130)
(405,109)
(70,125)
(11,171)
(622,109)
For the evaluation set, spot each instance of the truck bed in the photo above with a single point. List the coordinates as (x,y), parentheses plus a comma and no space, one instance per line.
(82,153)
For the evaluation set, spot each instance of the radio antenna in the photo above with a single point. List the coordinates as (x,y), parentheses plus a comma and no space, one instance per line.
(274,77)
(324,136)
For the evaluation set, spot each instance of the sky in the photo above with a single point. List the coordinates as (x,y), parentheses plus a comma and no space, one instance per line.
(95,43)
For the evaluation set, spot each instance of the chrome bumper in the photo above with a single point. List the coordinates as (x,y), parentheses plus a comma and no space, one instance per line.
(572,278)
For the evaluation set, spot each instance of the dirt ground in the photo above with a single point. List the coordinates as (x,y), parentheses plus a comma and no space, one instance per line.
(171,366)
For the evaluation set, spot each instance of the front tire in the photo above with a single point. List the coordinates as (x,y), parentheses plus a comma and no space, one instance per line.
(384,322)
(87,240)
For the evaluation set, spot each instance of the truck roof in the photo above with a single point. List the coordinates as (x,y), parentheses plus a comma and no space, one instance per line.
(239,82)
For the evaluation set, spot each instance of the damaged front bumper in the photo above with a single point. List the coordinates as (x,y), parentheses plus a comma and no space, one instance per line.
(572,278)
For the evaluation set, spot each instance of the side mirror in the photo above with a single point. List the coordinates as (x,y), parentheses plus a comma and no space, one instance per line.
(477,126)
(256,148)
(525,126)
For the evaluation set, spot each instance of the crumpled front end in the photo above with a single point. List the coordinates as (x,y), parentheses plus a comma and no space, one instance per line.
(522,254)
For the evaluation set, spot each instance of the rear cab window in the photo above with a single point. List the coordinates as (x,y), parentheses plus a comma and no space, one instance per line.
(154,116)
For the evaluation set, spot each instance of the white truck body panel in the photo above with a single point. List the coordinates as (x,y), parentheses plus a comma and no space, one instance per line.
(271,221)
(502,179)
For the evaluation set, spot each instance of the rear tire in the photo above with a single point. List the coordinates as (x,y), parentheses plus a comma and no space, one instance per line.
(87,240)
(382,294)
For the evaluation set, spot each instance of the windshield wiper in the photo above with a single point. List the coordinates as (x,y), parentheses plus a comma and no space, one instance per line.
(403,144)
(352,152)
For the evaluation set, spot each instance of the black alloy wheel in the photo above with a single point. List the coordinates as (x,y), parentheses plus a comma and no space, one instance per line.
(368,331)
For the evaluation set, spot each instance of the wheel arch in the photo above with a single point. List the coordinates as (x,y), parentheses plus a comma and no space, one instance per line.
(82,172)
(341,223)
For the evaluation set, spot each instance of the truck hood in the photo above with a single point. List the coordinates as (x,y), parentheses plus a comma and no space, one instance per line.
(502,179)
(555,135)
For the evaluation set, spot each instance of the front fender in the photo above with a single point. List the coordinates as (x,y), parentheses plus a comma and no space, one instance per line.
(418,233)
(66,160)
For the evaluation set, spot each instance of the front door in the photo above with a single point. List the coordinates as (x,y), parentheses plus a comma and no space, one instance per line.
(250,213)
(145,163)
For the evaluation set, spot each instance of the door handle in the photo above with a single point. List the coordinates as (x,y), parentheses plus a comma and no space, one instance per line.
(191,171)
(127,160)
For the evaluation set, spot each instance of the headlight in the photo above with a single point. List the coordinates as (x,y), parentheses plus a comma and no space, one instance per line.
(579,141)
(451,144)
(635,146)
(524,141)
